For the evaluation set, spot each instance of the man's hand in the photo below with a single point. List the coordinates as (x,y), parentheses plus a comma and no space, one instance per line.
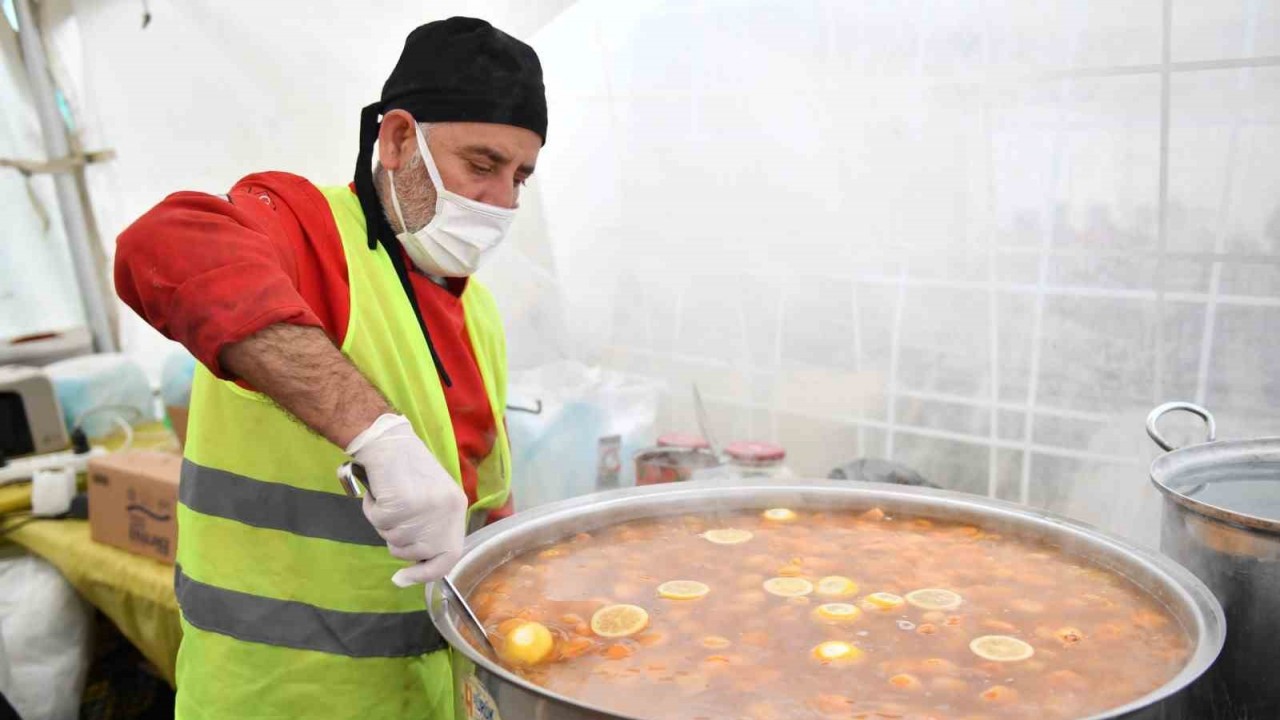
(416,506)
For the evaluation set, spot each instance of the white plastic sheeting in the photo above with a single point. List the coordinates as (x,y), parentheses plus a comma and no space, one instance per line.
(574,429)
(45,644)
(980,237)
(37,286)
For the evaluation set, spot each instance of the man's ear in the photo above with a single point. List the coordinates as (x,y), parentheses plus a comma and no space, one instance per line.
(396,139)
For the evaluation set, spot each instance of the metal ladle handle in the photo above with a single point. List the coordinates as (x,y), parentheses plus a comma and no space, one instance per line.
(1167,408)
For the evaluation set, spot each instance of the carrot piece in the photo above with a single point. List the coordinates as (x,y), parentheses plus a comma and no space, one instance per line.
(999,694)
(716,642)
(905,682)
(618,651)
(576,647)
(937,665)
(650,639)
(1000,626)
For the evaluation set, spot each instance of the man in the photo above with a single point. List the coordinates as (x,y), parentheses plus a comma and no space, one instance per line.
(349,309)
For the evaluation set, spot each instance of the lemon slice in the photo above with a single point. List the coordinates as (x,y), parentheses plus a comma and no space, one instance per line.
(837,586)
(527,643)
(882,601)
(727,536)
(1001,648)
(836,651)
(615,621)
(683,589)
(788,586)
(837,612)
(934,599)
(779,514)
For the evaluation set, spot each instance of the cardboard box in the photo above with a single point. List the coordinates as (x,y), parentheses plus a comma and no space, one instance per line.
(133,501)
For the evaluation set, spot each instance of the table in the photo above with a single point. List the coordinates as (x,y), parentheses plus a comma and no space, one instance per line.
(135,592)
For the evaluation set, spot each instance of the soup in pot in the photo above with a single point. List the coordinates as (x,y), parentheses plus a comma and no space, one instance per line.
(781,614)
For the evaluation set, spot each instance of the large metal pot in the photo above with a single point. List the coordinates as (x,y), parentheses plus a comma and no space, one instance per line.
(1221,510)
(485,690)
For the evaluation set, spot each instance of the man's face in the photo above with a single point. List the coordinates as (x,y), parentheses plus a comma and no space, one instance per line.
(484,162)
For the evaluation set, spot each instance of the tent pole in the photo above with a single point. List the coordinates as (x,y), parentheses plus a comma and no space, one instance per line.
(74,213)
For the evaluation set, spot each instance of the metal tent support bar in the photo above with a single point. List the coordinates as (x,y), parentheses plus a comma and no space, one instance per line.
(74,214)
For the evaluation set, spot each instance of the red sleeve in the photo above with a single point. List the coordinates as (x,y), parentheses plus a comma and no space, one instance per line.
(208,272)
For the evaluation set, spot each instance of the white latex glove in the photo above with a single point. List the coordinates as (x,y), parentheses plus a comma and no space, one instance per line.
(416,506)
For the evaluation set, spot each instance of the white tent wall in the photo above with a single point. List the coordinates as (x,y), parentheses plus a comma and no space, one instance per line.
(211,91)
(980,237)
(37,285)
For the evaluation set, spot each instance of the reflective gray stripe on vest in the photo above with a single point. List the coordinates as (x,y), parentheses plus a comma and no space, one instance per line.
(275,506)
(293,624)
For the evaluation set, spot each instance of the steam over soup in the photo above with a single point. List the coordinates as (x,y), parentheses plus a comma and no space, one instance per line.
(781,614)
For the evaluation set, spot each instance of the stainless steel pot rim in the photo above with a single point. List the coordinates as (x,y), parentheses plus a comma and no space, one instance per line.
(1167,469)
(1196,462)
(755,493)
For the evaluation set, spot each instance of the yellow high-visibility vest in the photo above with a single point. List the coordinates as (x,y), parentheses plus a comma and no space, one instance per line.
(288,610)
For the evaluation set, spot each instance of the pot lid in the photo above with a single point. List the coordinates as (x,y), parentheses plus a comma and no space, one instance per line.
(1236,481)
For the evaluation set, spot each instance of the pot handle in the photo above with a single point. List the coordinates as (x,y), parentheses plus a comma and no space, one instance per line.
(1166,408)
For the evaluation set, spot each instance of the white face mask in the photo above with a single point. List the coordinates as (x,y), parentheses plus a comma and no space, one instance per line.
(461,233)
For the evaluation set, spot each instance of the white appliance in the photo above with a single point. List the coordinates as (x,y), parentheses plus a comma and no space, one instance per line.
(33,437)
(30,417)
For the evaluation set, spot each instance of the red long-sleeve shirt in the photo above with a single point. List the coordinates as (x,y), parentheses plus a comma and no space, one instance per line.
(208,270)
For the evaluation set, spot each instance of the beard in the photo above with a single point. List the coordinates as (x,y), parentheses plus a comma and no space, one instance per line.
(413,189)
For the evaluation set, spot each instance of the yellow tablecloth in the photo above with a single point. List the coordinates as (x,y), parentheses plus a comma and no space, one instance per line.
(135,592)
(15,497)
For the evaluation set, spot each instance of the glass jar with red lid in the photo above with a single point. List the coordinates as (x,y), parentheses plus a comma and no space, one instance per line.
(757,458)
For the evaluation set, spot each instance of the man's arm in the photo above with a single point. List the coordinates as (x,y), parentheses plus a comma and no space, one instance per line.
(302,371)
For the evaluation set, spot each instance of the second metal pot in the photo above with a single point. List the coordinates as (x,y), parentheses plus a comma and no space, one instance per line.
(1222,522)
